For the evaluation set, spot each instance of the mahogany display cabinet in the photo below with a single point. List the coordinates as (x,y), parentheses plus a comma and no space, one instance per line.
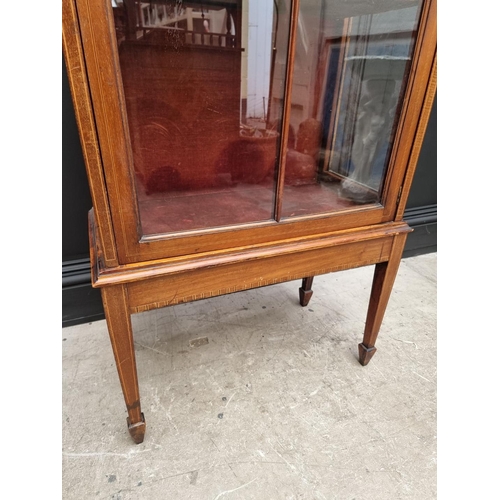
(233,144)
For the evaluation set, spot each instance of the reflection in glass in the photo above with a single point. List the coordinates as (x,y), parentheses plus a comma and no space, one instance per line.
(204,93)
(351,64)
(196,79)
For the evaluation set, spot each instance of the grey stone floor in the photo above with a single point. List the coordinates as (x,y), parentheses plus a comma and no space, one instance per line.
(274,406)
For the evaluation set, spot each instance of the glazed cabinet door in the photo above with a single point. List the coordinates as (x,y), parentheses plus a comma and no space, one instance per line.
(228,123)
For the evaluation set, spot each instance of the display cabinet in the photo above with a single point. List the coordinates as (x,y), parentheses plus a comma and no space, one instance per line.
(233,144)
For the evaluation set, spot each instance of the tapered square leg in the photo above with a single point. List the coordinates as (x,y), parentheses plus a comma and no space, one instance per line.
(305,292)
(137,430)
(117,314)
(383,281)
(365,354)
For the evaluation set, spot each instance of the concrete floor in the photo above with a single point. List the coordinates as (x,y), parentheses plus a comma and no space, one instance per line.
(274,406)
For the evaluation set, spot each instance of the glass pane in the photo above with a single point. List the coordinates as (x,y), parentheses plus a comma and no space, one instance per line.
(197,78)
(351,63)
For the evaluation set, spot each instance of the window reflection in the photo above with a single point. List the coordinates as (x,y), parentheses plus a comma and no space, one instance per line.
(204,91)
(197,78)
(351,63)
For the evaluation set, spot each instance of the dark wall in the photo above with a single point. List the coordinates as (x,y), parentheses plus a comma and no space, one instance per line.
(421,209)
(82,303)
(75,194)
(424,188)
